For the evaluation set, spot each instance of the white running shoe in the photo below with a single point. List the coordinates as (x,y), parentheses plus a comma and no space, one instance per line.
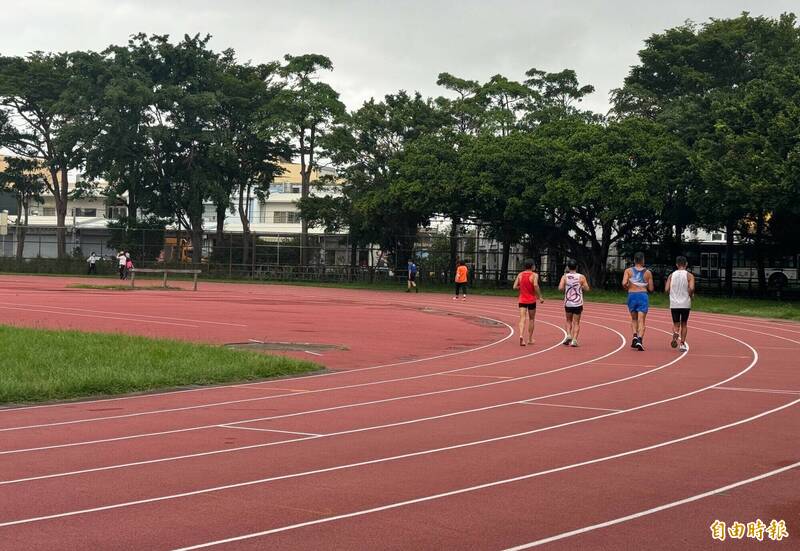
(574,343)
(683,347)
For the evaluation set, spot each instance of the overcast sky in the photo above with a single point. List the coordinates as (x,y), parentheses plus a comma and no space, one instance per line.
(381,46)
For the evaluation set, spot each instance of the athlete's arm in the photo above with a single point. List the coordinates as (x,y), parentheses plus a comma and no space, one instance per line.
(537,290)
(516,282)
(668,284)
(690,277)
(563,283)
(648,277)
(625,279)
(585,283)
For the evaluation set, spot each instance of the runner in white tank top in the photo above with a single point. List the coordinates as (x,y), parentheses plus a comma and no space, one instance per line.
(573,284)
(680,286)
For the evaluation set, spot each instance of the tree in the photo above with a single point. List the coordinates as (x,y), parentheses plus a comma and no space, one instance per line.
(251,143)
(310,107)
(554,96)
(22,178)
(366,148)
(47,100)
(505,173)
(604,187)
(685,78)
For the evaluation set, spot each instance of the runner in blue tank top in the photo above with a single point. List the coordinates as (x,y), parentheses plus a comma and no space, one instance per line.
(638,281)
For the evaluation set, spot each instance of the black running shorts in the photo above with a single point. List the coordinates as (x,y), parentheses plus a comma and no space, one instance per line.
(680,315)
(574,310)
(531,306)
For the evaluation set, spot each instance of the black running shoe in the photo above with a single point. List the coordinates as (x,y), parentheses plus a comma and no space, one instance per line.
(634,341)
(567,341)
(639,345)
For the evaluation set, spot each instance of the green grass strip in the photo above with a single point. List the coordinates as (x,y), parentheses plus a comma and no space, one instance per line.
(41,365)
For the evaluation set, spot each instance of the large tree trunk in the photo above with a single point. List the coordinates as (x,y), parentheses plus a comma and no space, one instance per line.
(504,261)
(60,193)
(244,216)
(453,245)
(760,262)
(729,229)
(197,239)
(220,234)
(305,188)
(21,229)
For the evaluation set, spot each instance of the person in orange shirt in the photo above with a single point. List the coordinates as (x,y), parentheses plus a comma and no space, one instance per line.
(461,279)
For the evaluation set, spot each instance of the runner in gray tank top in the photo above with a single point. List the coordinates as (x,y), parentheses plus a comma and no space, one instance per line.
(573,284)
(680,286)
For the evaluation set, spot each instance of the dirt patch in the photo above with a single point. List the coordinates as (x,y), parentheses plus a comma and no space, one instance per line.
(477,320)
(285,346)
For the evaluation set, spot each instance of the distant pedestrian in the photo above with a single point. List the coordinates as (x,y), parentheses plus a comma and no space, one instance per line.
(128,265)
(462,275)
(573,284)
(680,286)
(412,277)
(122,261)
(92,261)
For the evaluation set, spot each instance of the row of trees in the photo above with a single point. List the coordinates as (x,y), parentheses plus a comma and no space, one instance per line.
(169,126)
(704,132)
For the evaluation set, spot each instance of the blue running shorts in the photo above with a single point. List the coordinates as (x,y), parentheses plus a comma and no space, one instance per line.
(638,302)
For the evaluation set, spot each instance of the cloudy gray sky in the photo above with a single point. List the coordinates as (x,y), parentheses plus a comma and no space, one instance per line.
(381,46)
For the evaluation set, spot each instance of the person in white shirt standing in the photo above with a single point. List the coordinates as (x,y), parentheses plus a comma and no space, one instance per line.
(680,286)
(92,261)
(573,284)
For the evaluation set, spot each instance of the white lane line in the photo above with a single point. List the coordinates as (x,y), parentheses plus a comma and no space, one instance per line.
(254,340)
(270,430)
(97,316)
(764,390)
(647,512)
(344,406)
(266,383)
(496,483)
(423,452)
(313,353)
(261,398)
(81,310)
(351,431)
(529,403)
(479,376)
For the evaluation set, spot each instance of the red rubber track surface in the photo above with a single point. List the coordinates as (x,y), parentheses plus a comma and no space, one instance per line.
(433,429)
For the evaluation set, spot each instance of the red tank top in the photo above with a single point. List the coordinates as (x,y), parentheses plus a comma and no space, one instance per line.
(527,293)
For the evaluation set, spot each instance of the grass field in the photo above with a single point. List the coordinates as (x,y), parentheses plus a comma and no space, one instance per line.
(41,365)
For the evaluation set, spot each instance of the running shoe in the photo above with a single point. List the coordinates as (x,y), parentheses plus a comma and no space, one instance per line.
(455,298)
(521,341)
(639,345)
(683,347)
(567,341)
(634,341)
(465,297)
(674,343)
(574,343)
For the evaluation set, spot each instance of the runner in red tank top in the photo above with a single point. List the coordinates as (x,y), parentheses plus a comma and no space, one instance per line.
(528,284)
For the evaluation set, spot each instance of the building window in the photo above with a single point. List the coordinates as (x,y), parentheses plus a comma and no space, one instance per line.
(48,211)
(115,213)
(84,212)
(285,217)
(717,237)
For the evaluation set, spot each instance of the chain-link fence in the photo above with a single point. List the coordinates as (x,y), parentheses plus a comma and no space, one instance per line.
(335,258)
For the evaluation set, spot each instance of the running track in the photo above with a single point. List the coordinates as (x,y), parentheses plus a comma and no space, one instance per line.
(433,430)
